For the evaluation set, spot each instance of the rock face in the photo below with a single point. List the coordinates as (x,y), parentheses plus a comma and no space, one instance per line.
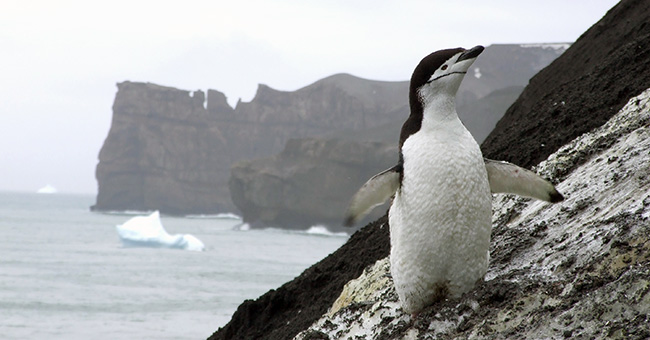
(493,83)
(161,153)
(304,184)
(482,114)
(616,234)
(496,79)
(261,127)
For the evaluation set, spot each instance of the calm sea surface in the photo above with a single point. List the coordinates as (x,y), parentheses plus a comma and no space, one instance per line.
(64,273)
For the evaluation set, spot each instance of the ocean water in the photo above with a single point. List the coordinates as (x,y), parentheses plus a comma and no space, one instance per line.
(64,273)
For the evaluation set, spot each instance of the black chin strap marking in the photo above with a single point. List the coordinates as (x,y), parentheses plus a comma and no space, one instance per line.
(444,75)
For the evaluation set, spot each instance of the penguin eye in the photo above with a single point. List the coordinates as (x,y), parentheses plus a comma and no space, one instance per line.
(444,67)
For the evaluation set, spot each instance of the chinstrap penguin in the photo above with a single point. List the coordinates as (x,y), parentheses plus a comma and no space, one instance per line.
(440,216)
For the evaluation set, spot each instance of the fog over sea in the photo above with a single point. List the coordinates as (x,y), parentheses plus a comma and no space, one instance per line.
(64,274)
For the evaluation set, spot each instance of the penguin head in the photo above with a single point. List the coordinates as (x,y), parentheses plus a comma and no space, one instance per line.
(440,74)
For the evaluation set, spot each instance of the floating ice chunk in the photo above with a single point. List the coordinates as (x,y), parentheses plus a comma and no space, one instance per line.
(48,189)
(148,231)
(192,243)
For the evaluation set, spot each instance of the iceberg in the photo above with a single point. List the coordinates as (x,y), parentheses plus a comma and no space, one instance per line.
(148,231)
(48,189)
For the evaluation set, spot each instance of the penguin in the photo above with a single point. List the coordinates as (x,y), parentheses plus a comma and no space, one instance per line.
(441,212)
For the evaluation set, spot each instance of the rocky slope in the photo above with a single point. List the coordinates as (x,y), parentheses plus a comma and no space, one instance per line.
(579,91)
(293,307)
(578,269)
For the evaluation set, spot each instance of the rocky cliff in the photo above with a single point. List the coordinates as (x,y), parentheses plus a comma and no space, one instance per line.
(171,150)
(162,153)
(592,272)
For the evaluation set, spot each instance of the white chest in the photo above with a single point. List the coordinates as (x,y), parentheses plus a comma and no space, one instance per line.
(443,162)
(440,217)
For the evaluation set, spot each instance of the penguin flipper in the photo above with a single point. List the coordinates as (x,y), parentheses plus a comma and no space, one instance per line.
(371,194)
(506,177)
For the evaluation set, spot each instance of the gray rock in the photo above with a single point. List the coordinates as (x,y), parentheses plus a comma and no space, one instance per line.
(163,152)
(260,128)
(308,183)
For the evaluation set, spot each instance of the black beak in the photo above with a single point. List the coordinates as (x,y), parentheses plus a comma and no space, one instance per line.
(471,53)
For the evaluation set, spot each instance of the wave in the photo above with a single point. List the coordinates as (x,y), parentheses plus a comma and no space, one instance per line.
(315,230)
(221,216)
(323,231)
(242,227)
(125,212)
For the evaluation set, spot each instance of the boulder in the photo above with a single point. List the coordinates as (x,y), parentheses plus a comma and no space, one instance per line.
(308,183)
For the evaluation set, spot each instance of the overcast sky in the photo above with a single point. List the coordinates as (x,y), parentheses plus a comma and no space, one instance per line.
(60,60)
